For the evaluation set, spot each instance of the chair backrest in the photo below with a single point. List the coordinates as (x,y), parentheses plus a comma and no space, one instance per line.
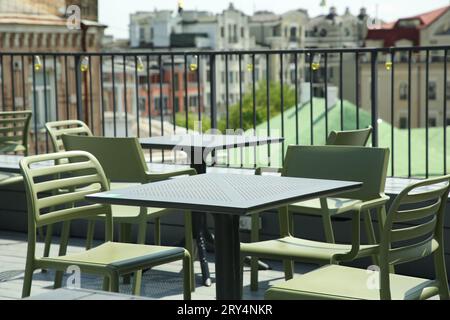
(121,158)
(58,128)
(14,130)
(361,164)
(46,205)
(414,226)
(350,138)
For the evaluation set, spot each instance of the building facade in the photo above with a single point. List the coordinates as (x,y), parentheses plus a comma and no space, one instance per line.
(30,26)
(430,28)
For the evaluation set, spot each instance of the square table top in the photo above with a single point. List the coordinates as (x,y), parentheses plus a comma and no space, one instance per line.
(206,141)
(224,193)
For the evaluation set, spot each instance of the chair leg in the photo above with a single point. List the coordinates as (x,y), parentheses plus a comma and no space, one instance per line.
(284,232)
(106,284)
(187,264)
(371,238)
(441,274)
(114,282)
(125,237)
(29,269)
(48,240)
(328,228)
(27,281)
(241,270)
(137,281)
(157,232)
(189,244)
(48,243)
(90,234)
(381,213)
(62,251)
(254,267)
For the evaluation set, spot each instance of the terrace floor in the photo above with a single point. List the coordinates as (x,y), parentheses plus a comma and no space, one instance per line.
(164,282)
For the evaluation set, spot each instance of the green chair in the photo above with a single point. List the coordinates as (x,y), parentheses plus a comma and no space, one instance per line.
(414,229)
(350,138)
(45,207)
(367,165)
(57,129)
(14,131)
(123,161)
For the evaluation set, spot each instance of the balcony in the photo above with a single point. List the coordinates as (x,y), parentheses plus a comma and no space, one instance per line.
(124,94)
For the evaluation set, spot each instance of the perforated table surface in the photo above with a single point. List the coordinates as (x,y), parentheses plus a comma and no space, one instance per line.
(206,141)
(226,196)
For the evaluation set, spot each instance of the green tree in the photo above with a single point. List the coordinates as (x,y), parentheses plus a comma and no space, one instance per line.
(180,121)
(261,106)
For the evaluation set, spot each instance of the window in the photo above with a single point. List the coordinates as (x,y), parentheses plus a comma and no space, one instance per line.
(432,90)
(44,100)
(235,33)
(231,78)
(403,123)
(222,32)
(403,91)
(208,75)
(193,101)
(223,76)
(293,33)
(152,33)
(176,104)
(448,121)
(142,103)
(164,104)
(242,32)
(141,34)
(176,80)
(432,122)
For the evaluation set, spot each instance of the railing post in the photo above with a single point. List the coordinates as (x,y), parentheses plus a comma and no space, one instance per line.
(78,87)
(213,102)
(374,97)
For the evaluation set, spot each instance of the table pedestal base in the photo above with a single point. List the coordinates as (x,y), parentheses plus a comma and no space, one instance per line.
(228,266)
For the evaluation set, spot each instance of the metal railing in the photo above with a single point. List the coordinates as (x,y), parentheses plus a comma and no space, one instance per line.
(304,94)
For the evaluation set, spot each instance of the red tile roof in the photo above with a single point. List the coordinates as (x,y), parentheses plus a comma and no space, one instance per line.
(428,18)
(390,33)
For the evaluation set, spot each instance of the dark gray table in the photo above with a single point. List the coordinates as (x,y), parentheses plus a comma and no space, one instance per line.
(226,197)
(198,147)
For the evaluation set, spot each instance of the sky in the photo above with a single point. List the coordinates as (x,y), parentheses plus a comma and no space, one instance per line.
(115,13)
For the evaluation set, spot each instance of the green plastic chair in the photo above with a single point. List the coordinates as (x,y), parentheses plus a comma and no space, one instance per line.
(367,165)
(350,138)
(123,161)
(414,229)
(14,131)
(57,129)
(81,178)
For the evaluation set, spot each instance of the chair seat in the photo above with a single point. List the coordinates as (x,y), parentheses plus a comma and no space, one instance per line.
(313,207)
(337,282)
(304,250)
(119,256)
(7,178)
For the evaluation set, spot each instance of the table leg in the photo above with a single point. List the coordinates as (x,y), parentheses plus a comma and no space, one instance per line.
(228,273)
(200,230)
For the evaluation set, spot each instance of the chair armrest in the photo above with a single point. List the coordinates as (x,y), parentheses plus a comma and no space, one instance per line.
(356,227)
(372,204)
(155,177)
(259,171)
